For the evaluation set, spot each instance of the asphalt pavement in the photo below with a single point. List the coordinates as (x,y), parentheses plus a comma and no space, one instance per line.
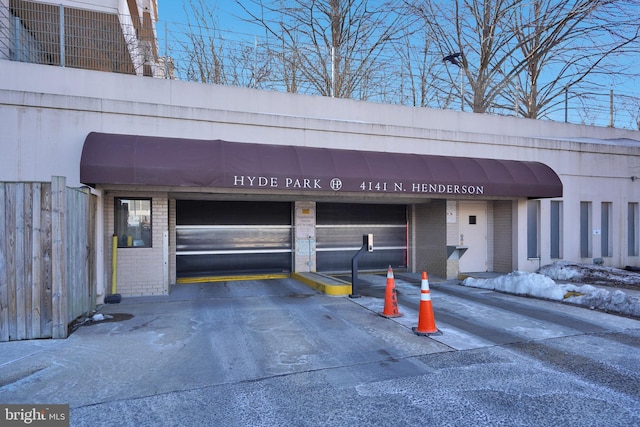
(277,352)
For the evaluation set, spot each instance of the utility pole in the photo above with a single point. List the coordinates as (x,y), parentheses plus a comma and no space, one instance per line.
(610,108)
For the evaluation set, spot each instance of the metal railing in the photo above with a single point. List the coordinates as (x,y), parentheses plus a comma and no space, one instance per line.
(52,34)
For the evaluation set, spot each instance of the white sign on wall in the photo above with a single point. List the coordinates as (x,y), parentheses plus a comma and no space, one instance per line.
(305,220)
(452,212)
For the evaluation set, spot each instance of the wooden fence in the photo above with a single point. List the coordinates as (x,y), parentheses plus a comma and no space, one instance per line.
(47,251)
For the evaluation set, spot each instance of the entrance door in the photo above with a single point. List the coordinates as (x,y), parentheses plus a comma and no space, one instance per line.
(473,235)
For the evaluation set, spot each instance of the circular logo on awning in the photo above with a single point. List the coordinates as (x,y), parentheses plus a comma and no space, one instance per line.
(336,184)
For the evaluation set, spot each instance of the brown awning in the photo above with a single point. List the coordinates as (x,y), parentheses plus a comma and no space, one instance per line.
(146,160)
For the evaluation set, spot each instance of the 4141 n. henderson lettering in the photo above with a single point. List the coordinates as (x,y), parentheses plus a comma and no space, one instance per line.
(369,186)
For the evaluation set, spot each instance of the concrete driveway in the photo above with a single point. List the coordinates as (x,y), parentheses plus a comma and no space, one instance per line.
(276,352)
(202,335)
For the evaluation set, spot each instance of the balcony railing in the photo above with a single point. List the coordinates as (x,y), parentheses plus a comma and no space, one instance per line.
(77,38)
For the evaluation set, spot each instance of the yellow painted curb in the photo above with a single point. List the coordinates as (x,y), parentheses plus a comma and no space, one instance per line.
(325,288)
(207,279)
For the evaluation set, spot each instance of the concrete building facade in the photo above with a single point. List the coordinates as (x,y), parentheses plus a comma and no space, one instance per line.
(48,115)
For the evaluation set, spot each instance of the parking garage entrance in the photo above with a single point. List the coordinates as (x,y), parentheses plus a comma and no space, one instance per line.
(231,238)
(215,238)
(339,230)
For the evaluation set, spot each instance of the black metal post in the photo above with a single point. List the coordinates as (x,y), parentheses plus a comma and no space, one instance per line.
(367,246)
(354,272)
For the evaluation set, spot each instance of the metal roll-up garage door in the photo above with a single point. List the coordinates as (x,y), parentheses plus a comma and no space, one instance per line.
(232,237)
(339,231)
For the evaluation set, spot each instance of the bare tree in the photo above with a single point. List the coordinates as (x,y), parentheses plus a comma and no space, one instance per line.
(206,56)
(568,45)
(522,56)
(335,47)
(471,35)
(421,85)
(201,57)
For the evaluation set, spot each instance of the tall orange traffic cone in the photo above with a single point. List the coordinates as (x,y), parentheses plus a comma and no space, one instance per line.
(426,321)
(390,299)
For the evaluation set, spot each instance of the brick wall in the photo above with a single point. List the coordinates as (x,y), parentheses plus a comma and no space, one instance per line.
(139,270)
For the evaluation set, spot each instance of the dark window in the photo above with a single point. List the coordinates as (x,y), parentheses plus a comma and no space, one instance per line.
(585,229)
(472,219)
(133,222)
(633,224)
(556,229)
(606,227)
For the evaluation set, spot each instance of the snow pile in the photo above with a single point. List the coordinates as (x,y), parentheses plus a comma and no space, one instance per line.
(544,286)
(592,274)
(520,283)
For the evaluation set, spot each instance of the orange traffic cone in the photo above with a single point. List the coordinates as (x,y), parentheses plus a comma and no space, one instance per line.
(390,299)
(426,322)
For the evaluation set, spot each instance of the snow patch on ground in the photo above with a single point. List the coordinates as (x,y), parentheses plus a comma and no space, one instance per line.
(546,285)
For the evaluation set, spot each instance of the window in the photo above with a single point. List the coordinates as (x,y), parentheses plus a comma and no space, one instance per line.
(533,229)
(633,225)
(585,229)
(133,222)
(556,229)
(606,240)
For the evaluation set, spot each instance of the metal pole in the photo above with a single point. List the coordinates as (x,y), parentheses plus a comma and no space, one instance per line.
(333,71)
(367,246)
(255,60)
(17,56)
(354,272)
(566,104)
(610,108)
(166,50)
(62,53)
(517,98)
(461,89)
